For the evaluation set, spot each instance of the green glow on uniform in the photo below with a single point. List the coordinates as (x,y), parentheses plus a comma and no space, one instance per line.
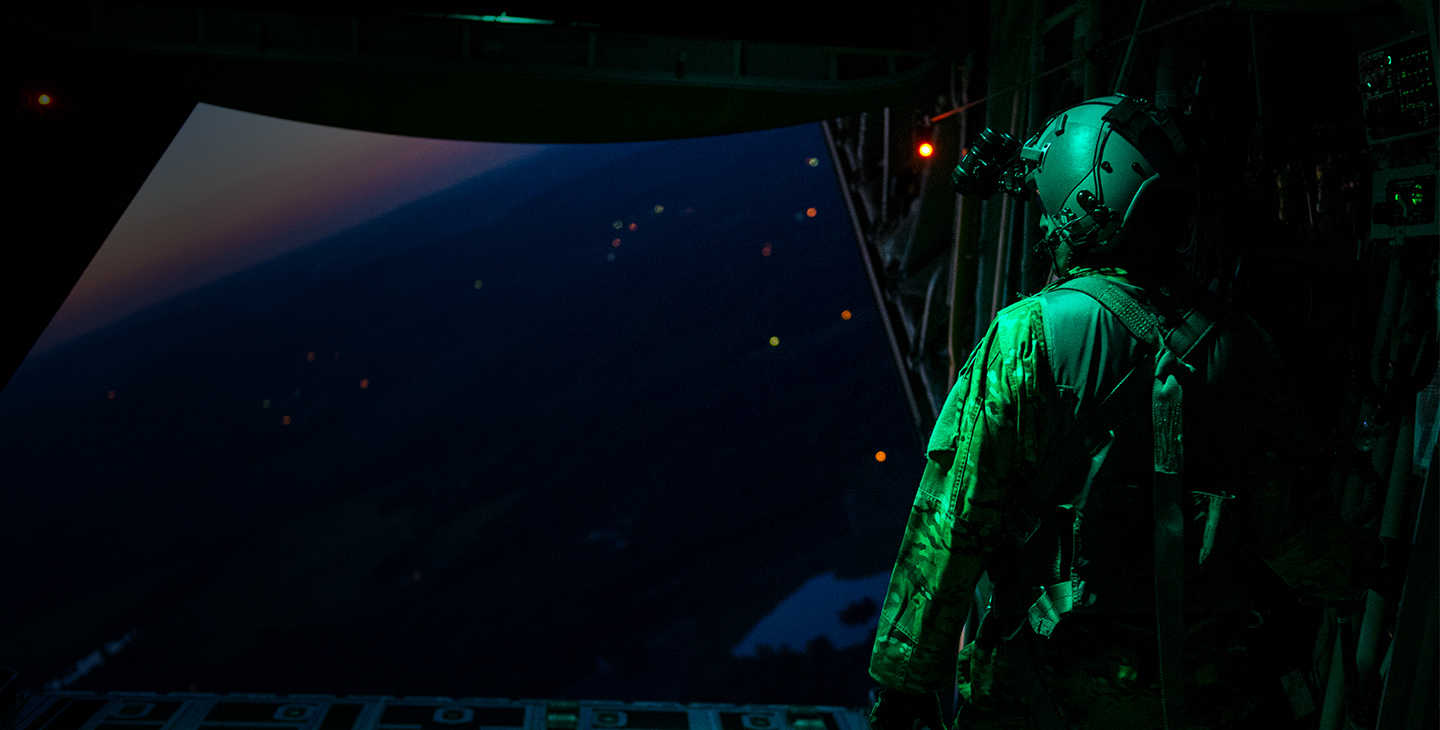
(1126,673)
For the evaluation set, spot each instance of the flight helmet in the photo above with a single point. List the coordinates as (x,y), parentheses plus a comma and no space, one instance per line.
(1090,166)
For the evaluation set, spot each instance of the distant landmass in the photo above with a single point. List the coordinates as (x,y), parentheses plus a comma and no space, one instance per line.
(528,437)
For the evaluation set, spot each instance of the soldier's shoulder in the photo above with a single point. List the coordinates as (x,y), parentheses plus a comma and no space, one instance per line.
(1028,307)
(1018,323)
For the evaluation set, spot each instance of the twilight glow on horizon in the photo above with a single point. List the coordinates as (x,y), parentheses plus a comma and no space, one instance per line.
(235,189)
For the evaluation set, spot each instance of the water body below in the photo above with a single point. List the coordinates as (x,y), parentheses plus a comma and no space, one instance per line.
(843,612)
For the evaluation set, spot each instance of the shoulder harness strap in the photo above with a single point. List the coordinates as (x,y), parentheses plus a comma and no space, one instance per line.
(1167,411)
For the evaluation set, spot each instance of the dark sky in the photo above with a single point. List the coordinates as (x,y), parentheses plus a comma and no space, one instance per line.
(602,421)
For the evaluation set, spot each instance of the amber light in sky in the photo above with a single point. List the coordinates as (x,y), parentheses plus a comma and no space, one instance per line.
(235,189)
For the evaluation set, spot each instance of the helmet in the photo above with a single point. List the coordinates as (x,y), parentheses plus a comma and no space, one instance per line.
(1092,164)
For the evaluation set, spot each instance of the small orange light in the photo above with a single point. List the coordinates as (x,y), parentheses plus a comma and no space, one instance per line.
(879,455)
(632,226)
(926,149)
(364,383)
(810,212)
(765,251)
(285,421)
(309,357)
(845,314)
(44,100)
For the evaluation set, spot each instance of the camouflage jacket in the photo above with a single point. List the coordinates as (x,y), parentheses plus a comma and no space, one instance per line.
(1003,414)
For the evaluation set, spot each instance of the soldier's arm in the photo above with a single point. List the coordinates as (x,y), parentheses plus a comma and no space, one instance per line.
(986,438)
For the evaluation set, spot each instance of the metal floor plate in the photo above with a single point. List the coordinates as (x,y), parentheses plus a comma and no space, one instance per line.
(201,711)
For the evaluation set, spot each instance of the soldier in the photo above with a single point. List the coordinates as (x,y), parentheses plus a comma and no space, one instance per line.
(1124,457)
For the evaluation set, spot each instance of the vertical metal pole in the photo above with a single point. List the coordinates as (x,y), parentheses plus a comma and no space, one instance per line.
(967,230)
(885,171)
(1000,288)
(1086,23)
(1129,49)
(1367,656)
(1332,714)
(1255,67)
(1002,250)
(1031,280)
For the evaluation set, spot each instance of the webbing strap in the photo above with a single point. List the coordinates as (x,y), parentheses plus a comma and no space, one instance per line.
(1169,545)
(1054,603)
(1167,413)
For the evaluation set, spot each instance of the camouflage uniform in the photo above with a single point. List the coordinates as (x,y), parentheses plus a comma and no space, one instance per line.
(1003,414)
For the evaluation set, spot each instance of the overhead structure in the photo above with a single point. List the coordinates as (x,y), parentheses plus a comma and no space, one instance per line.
(474,77)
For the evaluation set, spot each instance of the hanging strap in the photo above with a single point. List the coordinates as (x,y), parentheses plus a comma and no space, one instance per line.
(1068,592)
(1167,412)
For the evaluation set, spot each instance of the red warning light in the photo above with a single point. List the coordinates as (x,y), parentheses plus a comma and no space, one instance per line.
(765,250)
(365,383)
(615,243)
(285,421)
(924,139)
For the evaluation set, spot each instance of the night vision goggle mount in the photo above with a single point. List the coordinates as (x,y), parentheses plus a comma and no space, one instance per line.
(991,164)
